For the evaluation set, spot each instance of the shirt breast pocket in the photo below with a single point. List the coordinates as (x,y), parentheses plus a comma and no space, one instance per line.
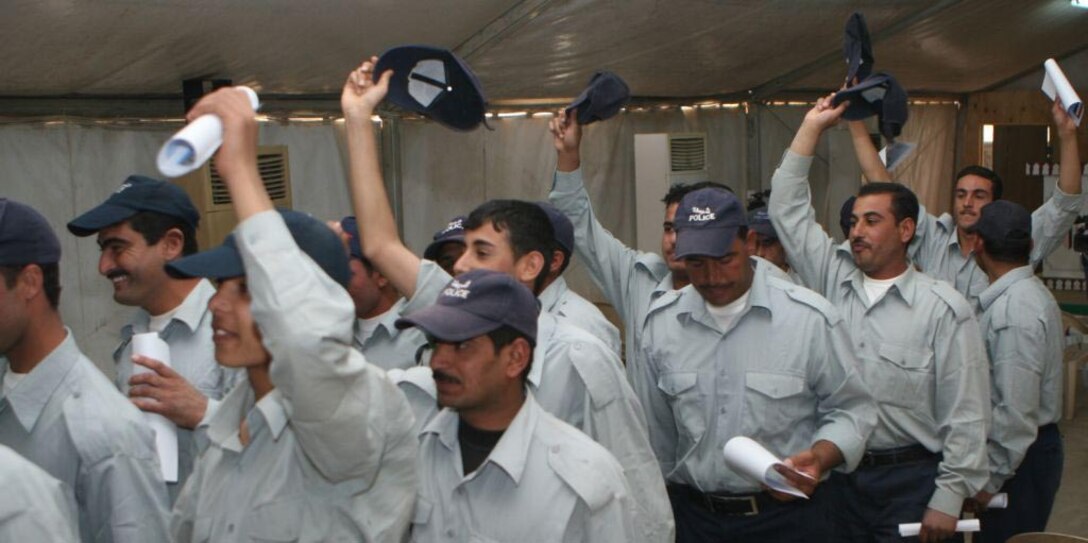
(686,401)
(422,526)
(774,403)
(278,521)
(905,376)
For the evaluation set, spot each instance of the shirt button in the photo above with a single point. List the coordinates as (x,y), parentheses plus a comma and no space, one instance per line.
(230,528)
(449,533)
(555,448)
(862,345)
(722,410)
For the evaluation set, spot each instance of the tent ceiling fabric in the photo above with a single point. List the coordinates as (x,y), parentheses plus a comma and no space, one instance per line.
(532,49)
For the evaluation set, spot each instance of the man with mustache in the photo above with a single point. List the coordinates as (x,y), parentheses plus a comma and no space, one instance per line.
(918,344)
(142,226)
(742,351)
(577,378)
(942,245)
(493,464)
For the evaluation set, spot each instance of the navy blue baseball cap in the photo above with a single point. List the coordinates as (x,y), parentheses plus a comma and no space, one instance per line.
(453,232)
(351,227)
(314,237)
(604,96)
(706,223)
(760,221)
(1003,221)
(136,194)
(857,48)
(435,83)
(561,225)
(25,236)
(881,95)
(475,303)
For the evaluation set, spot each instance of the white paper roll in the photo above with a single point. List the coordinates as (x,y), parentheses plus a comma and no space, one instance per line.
(998,501)
(151,345)
(750,459)
(193,145)
(1056,85)
(914,528)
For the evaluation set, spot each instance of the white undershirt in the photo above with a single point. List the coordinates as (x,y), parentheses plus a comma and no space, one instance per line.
(725,315)
(12,380)
(876,288)
(368,326)
(157,323)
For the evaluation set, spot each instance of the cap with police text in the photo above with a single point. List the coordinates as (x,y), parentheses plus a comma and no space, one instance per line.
(137,194)
(1003,221)
(561,225)
(312,236)
(453,232)
(435,83)
(603,97)
(25,236)
(476,303)
(706,223)
(760,221)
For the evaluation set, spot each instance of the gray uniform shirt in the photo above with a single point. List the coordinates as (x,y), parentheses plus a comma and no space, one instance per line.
(783,374)
(1023,329)
(388,347)
(936,247)
(544,482)
(558,299)
(192,354)
(331,455)
(34,506)
(578,379)
(919,345)
(66,417)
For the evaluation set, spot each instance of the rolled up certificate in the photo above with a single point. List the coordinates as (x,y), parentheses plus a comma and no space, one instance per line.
(193,145)
(166,432)
(998,501)
(914,528)
(750,459)
(1056,85)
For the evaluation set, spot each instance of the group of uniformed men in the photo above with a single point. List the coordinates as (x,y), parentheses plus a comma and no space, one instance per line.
(330,385)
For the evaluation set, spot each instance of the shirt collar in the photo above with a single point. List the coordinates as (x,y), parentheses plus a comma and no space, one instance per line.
(511,453)
(545,329)
(552,295)
(905,285)
(997,288)
(29,399)
(191,311)
(386,320)
(691,305)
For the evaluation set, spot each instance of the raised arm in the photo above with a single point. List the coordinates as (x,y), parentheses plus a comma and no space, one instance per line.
(378,235)
(1052,221)
(868,157)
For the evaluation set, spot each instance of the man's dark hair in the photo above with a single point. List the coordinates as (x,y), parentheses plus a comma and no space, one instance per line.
(556,246)
(153,226)
(904,201)
(50,280)
(505,335)
(1012,251)
(678,190)
(527,228)
(997,186)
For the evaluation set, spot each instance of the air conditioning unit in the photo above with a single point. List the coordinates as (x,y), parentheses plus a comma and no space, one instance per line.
(660,161)
(212,199)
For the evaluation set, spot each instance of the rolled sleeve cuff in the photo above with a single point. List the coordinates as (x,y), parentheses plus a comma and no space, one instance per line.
(209,412)
(947,502)
(795,165)
(851,445)
(568,182)
(1067,202)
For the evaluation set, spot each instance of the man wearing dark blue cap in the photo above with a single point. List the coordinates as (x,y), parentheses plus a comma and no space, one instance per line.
(1022,325)
(557,298)
(57,409)
(767,245)
(919,348)
(316,446)
(577,378)
(142,226)
(492,457)
(447,245)
(743,352)
(377,307)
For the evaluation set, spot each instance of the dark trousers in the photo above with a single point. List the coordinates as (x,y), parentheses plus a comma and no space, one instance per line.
(799,521)
(868,505)
(1031,491)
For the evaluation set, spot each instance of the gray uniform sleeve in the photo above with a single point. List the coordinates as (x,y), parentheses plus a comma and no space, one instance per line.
(115,493)
(930,239)
(1017,371)
(1052,221)
(342,409)
(847,412)
(34,506)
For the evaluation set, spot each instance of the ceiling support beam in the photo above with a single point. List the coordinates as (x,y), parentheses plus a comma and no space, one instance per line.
(514,18)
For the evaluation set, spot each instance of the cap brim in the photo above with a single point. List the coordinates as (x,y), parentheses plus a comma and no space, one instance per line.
(103,215)
(764,229)
(712,242)
(446,323)
(432,250)
(222,262)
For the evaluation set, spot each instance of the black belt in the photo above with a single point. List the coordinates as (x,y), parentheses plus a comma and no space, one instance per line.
(901,455)
(722,503)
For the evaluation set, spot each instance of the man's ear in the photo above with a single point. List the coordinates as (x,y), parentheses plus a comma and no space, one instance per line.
(30,282)
(556,263)
(519,353)
(529,266)
(172,244)
(906,229)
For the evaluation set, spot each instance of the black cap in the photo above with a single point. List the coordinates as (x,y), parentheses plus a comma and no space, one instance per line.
(435,83)
(25,236)
(604,96)
(881,95)
(351,227)
(760,221)
(453,232)
(314,237)
(475,303)
(1003,221)
(561,225)
(857,48)
(706,222)
(136,194)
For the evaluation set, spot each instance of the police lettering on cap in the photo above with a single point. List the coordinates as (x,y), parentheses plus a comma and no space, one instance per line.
(312,236)
(476,303)
(706,222)
(435,83)
(1003,221)
(137,194)
(561,225)
(603,97)
(453,232)
(857,48)
(25,236)
(881,95)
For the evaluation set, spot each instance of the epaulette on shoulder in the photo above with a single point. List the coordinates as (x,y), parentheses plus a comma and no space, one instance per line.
(808,297)
(959,305)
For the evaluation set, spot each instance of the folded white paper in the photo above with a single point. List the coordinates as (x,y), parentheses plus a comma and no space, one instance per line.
(1056,85)
(914,528)
(998,501)
(750,459)
(895,153)
(166,432)
(193,145)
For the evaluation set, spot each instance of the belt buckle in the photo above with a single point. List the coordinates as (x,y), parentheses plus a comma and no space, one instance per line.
(753,505)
